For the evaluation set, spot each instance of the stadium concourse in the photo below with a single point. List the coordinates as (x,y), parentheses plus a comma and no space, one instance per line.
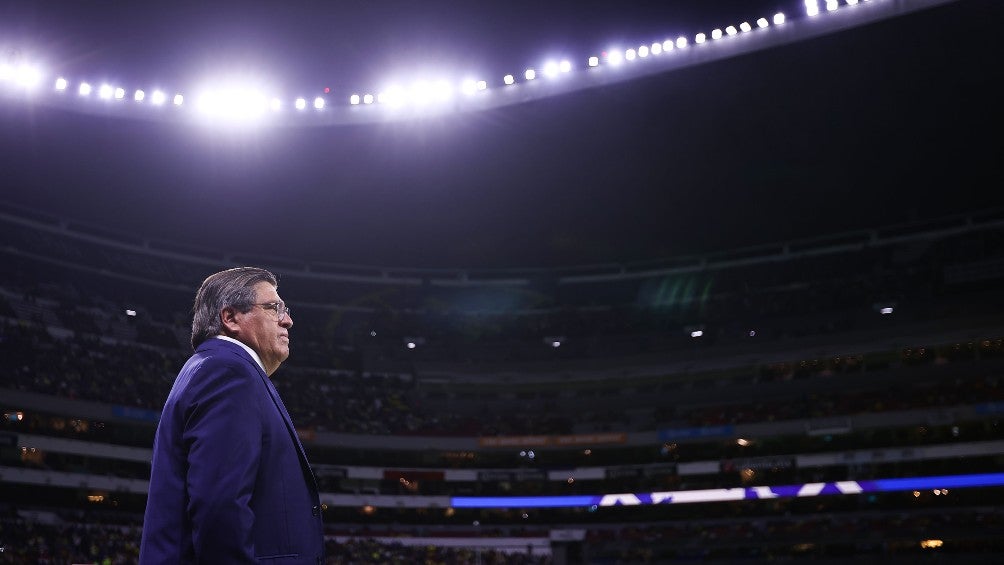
(853,414)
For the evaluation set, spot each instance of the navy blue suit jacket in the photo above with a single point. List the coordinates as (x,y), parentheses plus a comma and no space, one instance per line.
(230,482)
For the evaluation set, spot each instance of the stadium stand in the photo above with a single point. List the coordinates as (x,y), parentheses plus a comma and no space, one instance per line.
(776,434)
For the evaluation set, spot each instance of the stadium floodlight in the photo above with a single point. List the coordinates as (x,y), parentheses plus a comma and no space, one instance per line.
(301,103)
(731,30)
(852,2)
(139,96)
(178,100)
(275,104)
(469,86)
(6,72)
(367,99)
(593,61)
(643,51)
(119,93)
(482,85)
(811,8)
(681,42)
(158,97)
(700,38)
(61,84)
(442,90)
(27,76)
(630,54)
(832,5)
(393,95)
(235,104)
(716,33)
(779,18)
(550,69)
(565,66)
(667,45)
(105,91)
(745,27)
(319,103)
(762,23)
(354,100)
(85,89)
(530,74)
(656,48)
(509,79)
(615,57)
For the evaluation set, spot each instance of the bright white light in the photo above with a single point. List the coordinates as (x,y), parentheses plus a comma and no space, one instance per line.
(394,96)
(301,103)
(852,2)
(731,30)
(656,48)
(178,100)
(555,344)
(131,313)
(469,86)
(61,84)
(615,57)
(157,97)
(832,5)
(354,100)
(643,51)
(811,8)
(234,104)
(442,91)
(85,89)
(318,103)
(530,74)
(482,85)
(668,45)
(105,91)
(745,27)
(139,96)
(696,333)
(716,33)
(778,19)
(593,61)
(6,72)
(119,93)
(550,69)
(885,310)
(367,99)
(762,23)
(565,66)
(699,38)
(681,42)
(630,54)
(509,79)
(411,345)
(275,104)
(27,76)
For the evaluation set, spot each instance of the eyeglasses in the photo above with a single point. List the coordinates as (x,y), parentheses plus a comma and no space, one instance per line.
(280,309)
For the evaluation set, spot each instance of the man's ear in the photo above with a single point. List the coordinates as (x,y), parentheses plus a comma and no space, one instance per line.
(228,317)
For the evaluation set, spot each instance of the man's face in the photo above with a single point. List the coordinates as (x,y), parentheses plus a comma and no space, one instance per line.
(259,330)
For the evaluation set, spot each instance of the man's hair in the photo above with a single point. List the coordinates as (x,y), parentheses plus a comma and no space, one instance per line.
(233,288)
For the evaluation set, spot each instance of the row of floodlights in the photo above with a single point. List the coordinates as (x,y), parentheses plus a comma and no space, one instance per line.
(248,103)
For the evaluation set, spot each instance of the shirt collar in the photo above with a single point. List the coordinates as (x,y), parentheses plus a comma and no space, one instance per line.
(250,351)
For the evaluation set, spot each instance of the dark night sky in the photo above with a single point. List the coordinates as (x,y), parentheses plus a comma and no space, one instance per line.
(890,122)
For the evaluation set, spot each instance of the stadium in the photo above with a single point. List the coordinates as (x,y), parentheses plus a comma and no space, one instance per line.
(656,283)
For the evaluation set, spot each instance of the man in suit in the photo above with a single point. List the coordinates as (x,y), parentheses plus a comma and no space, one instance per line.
(230,481)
